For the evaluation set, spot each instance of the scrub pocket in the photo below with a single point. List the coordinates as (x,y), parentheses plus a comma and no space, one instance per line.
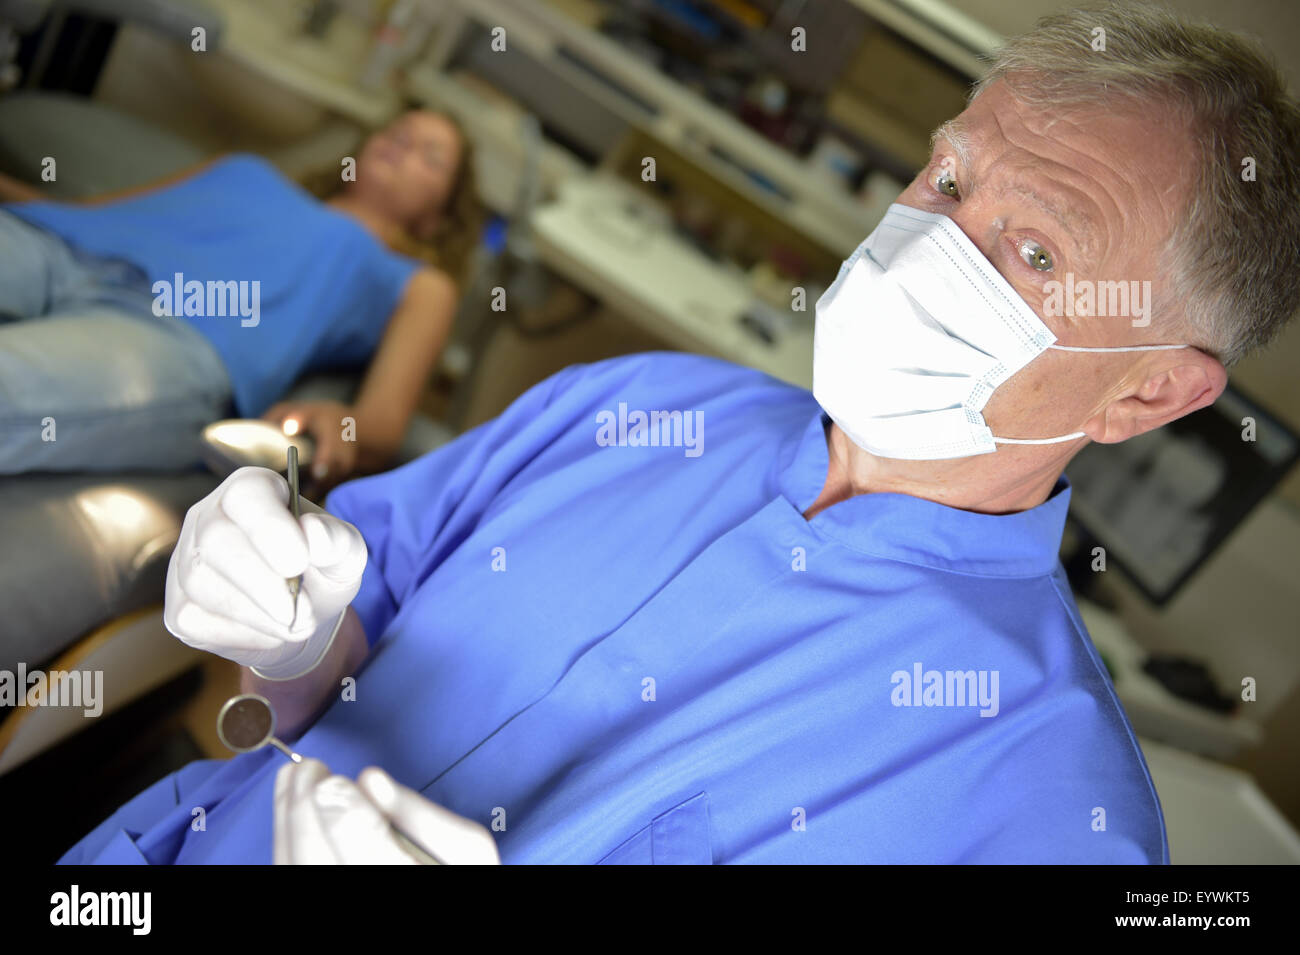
(679,836)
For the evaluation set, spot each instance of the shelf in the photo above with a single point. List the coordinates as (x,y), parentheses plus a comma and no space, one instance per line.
(657,105)
(947,33)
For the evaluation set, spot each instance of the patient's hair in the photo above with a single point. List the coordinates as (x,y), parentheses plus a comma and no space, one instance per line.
(459,227)
(1233,259)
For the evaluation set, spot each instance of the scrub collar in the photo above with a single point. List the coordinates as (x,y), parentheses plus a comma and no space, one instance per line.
(918,531)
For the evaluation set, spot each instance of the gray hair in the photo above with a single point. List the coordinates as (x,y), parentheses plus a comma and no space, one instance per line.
(1232,260)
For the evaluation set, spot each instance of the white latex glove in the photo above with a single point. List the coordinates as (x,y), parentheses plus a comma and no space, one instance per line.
(227,589)
(330,820)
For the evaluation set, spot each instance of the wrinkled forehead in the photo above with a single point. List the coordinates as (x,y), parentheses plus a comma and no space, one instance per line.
(1098,168)
(1130,138)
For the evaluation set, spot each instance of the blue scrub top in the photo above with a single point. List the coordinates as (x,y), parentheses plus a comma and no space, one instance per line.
(326,291)
(622,653)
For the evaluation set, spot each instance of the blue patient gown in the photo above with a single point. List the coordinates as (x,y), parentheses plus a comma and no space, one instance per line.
(326,286)
(610,652)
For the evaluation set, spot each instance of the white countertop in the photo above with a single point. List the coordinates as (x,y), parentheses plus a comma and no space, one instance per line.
(656,279)
(1215,814)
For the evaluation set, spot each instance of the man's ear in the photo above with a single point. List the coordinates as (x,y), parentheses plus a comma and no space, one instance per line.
(1186,380)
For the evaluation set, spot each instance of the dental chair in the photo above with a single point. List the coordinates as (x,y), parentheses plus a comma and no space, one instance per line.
(38,123)
(83,557)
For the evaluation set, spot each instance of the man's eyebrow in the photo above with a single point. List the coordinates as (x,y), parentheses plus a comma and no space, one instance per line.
(1077,227)
(954,133)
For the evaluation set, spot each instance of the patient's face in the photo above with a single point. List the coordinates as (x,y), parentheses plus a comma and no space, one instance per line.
(410,166)
(1092,194)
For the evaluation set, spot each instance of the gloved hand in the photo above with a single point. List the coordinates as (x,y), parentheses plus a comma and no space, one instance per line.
(227,589)
(329,820)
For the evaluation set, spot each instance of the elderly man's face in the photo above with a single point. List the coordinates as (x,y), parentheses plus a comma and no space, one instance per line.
(1093,193)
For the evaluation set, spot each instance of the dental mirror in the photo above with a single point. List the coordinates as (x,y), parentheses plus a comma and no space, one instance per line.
(247,722)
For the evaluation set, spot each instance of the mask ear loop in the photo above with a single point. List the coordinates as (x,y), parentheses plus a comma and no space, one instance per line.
(1119,348)
(1080,434)
(1064,437)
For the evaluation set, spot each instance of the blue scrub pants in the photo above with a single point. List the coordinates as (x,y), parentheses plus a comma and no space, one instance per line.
(90,378)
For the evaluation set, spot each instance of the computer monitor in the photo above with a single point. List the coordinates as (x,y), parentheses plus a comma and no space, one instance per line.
(1162,503)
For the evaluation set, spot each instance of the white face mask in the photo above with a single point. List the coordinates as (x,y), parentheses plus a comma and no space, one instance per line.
(913,336)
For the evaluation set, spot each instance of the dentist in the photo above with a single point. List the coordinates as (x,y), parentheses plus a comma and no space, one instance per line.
(563,651)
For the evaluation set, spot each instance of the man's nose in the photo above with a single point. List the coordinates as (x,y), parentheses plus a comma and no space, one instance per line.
(982,225)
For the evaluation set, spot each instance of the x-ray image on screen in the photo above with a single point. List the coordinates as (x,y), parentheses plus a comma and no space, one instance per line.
(1162,502)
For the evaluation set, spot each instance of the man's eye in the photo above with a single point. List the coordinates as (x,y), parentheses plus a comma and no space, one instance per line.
(1036,256)
(946,184)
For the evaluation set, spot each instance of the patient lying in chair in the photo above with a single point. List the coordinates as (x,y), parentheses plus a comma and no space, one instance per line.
(128,322)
